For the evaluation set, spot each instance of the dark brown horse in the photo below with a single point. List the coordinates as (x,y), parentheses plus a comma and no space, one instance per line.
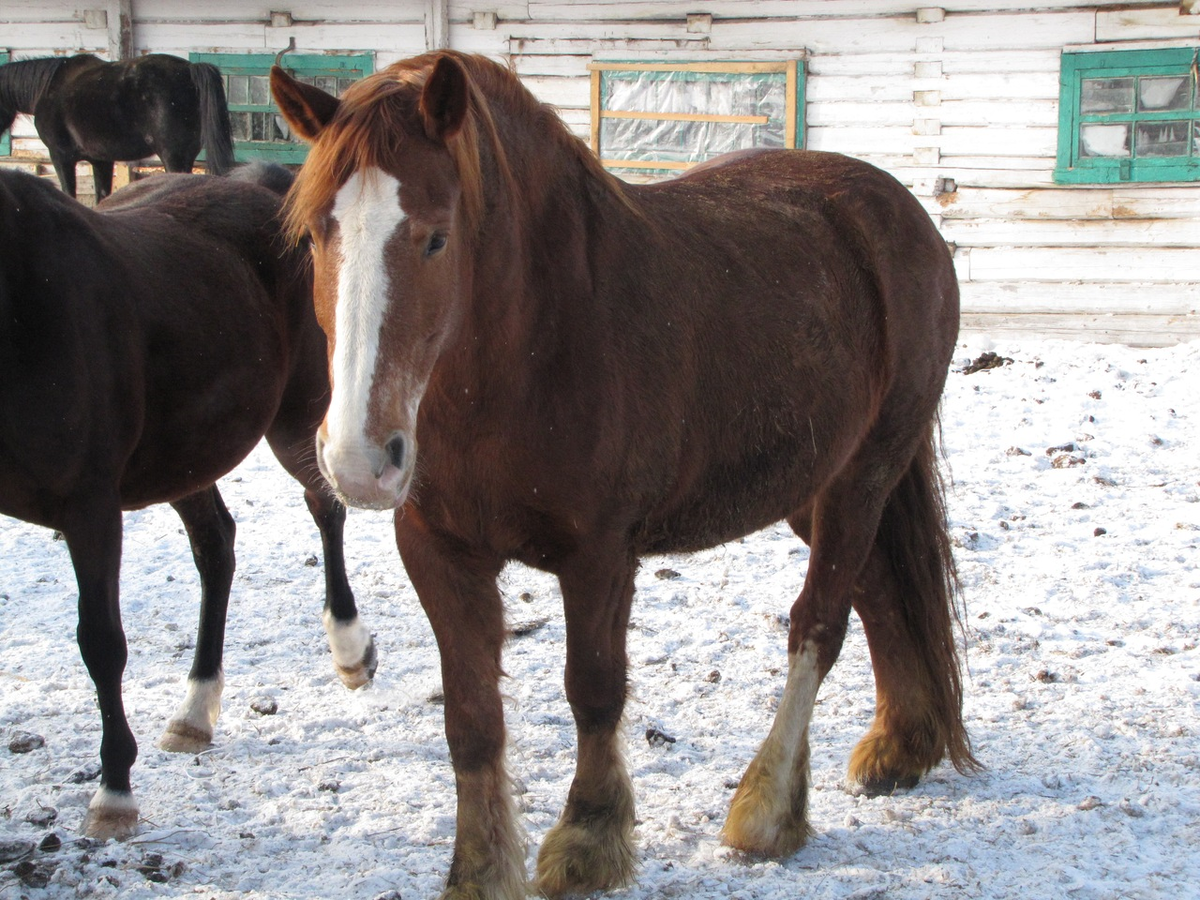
(593,372)
(85,109)
(147,348)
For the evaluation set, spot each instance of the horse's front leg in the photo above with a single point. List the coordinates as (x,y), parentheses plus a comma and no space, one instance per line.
(93,538)
(457,589)
(291,440)
(591,846)
(210,530)
(352,646)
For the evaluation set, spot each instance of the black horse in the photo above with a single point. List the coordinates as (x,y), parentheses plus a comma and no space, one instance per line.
(147,347)
(85,109)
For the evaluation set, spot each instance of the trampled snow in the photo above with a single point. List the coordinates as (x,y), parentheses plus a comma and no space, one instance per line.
(1075,512)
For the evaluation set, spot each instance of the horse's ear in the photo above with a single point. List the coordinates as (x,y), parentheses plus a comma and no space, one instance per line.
(444,99)
(307,109)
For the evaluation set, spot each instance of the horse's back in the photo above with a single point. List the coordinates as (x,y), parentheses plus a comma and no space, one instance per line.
(810,298)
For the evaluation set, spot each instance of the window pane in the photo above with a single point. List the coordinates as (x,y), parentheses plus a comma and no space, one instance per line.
(1164,93)
(260,90)
(238,90)
(1104,140)
(1106,95)
(1162,139)
(327,83)
(240,122)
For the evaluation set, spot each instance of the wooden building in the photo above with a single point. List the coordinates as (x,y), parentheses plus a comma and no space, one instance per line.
(1055,142)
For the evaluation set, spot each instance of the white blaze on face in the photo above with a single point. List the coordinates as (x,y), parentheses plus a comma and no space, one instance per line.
(367,211)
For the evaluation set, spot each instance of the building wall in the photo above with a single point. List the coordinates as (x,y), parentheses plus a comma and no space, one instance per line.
(958,102)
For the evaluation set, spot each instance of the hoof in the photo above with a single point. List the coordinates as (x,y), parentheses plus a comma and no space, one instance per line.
(111,816)
(767,818)
(579,858)
(881,764)
(183,737)
(358,676)
(883,786)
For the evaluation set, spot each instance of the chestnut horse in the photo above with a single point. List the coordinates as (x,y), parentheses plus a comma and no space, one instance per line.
(593,372)
(148,346)
(86,109)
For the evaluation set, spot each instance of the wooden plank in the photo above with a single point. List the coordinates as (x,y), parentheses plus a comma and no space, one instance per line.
(1132,330)
(1090,297)
(973,203)
(683,117)
(1135,234)
(1157,202)
(1150,265)
(35,39)
(1001,111)
(1141,24)
(998,141)
(714,68)
(853,9)
(865,115)
(561,92)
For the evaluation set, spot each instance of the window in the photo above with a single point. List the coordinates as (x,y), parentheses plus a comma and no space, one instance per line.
(670,116)
(259,132)
(1130,115)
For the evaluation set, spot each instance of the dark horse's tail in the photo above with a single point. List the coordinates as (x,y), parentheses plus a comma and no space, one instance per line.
(215,132)
(914,537)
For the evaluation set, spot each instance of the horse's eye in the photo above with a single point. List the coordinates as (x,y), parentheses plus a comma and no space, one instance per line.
(437,243)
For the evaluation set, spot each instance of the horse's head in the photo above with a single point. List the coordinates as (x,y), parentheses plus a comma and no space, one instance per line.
(383,203)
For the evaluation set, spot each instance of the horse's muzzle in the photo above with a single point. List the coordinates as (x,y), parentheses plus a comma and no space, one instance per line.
(367,475)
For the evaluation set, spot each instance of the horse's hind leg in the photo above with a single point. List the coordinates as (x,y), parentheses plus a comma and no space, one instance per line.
(93,537)
(102,178)
(210,529)
(64,168)
(353,648)
(591,846)
(768,814)
(905,601)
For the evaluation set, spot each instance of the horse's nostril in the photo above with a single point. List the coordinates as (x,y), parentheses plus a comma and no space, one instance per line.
(395,450)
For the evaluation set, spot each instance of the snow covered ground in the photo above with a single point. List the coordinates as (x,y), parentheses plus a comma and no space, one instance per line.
(1076,516)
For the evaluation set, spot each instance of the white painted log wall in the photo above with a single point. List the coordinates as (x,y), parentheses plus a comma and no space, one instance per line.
(973,98)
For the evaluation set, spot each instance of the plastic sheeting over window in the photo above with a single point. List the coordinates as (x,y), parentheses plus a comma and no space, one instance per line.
(662,117)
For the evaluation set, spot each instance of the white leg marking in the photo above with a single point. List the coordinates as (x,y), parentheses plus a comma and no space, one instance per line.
(191,728)
(768,811)
(368,212)
(787,735)
(347,641)
(111,814)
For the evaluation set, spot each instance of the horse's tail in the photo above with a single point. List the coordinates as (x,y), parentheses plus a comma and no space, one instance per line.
(913,535)
(216,133)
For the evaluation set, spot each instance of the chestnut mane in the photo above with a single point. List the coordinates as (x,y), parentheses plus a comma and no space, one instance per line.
(369,127)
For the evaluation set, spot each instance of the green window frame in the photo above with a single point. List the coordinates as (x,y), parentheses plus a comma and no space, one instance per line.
(258,130)
(663,117)
(1128,116)
(6,138)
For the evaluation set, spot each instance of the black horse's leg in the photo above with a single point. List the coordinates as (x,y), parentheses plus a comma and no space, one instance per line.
(353,647)
(64,168)
(591,846)
(93,537)
(102,178)
(354,656)
(210,529)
